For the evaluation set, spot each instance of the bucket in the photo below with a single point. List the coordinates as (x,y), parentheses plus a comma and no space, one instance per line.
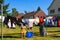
(29,34)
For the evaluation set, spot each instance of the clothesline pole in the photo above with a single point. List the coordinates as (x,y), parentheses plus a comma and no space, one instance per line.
(2,20)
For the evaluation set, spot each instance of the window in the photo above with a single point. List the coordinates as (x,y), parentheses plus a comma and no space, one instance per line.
(58,9)
(52,11)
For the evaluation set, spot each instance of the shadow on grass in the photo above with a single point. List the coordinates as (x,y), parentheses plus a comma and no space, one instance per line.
(49,35)
(57,31)
(56,36)
(36,34)
(53,31)
(11,35)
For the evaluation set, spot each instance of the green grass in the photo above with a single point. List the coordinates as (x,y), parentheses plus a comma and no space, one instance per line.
(14,34)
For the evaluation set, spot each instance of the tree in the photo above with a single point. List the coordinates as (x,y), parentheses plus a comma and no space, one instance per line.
(5,11)
(5,7)
(25,11)
(9,14)
(14,12)
(38,9)
(1,1)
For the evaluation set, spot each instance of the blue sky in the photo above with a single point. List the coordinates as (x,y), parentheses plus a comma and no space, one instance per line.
(28,5)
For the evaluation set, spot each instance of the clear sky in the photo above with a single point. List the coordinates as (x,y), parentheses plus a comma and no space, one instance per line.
(28,5)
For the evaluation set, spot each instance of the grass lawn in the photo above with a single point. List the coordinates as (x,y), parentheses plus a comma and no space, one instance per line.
(14,34)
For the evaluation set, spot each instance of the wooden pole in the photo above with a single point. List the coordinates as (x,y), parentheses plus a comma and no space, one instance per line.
(2,20)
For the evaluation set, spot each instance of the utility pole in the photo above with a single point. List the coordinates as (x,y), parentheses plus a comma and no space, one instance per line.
(2,20)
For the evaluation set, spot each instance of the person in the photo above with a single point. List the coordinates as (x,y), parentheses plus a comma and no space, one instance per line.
(41,28)
(23,30)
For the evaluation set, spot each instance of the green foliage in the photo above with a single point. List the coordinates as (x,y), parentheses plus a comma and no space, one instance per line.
(5,11)
(9,14)
(1,1)
(5,7)
(14,12)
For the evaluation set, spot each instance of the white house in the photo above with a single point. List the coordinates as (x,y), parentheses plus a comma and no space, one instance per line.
(54,8)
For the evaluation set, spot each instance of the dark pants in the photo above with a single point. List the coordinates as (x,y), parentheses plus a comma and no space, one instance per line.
(41,28)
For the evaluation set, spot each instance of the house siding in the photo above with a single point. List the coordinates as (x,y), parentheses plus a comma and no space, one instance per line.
(54,6)
(28,17)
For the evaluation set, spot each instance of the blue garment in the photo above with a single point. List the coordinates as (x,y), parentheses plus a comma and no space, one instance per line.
(50,22)
(55,18)
(46,22)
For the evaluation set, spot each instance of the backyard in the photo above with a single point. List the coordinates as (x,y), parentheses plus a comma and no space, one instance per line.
(14,34)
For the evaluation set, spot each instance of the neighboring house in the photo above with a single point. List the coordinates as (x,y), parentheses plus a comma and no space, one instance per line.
(31,15)
(40,13)
(19,15)
(54,8)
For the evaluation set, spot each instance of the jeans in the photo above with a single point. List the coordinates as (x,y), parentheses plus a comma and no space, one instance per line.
(41,29)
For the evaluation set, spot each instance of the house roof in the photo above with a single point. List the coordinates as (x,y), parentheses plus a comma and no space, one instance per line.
(20,15)
(35,14)
(29,14)
(51,4)
(40,13)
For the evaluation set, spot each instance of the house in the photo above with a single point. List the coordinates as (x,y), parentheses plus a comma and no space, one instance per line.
(54,8)
(40,13)
(19,15)
(33,14)
(29,15)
